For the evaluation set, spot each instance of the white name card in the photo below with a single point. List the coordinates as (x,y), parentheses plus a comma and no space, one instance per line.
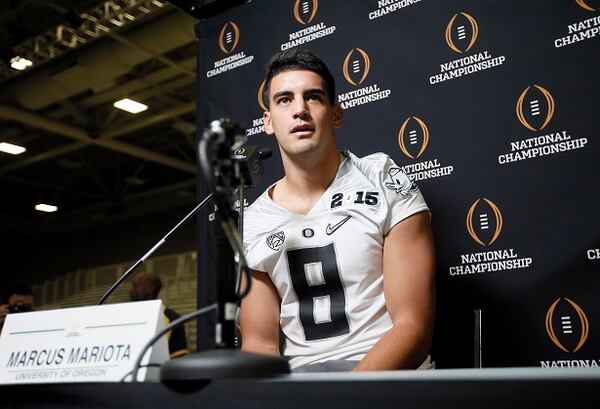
(86,344)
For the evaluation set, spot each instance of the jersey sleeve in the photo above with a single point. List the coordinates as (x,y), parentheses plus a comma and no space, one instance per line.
(254,256)
(255,237)
(401,194)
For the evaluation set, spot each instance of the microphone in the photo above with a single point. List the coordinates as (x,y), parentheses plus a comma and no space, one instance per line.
(225,163)
(265,153)
(152,250)
(249,162)
(217,142)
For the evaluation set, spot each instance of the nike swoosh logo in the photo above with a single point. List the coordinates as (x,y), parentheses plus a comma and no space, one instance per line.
(331,229)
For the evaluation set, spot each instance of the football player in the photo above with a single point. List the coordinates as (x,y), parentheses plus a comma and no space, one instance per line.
(340,248)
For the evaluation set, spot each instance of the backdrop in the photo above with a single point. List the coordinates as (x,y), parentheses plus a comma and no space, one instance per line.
(494,109)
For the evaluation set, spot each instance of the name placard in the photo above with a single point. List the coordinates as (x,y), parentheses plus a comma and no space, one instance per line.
(85,344)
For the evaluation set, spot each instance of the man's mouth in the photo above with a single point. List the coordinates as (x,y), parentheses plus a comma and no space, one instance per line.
(302,128)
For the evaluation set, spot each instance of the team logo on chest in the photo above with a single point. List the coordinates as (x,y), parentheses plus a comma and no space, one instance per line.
(275,240)
(401,183)
(308,232)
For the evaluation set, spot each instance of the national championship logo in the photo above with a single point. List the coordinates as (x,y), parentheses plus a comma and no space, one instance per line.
(461,32)
(229,37)
(484,222)
(567,325)
(413,137)
(228,40)
(258,124)
(535,108)
(356,66)
(305,10)
(260,97)
(585,4)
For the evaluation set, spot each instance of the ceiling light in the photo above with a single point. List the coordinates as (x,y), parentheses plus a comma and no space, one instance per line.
(130,105)
(12,149)
(45,208)
(20,63)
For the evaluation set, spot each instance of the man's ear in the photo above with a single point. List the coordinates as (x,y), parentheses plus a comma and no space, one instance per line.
(338,116)
(267,123)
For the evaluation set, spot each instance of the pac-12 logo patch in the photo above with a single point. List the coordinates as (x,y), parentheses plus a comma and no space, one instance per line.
(275,240)
(401,183)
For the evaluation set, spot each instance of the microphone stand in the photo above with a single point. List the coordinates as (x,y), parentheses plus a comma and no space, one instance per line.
(226,163)
(156,246)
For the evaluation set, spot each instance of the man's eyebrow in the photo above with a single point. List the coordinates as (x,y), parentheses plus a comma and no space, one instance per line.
(309,91)
(319,91)
(281,94)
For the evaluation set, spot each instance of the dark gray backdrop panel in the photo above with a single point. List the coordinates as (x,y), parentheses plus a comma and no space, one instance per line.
(542,314)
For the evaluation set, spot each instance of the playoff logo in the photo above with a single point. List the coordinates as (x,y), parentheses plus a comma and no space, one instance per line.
(585,4)
(305,10)
(567,325)
(229,37)
(535,108)
(260,97)
(413,137)
(357,65)
(484,222)
(461,32)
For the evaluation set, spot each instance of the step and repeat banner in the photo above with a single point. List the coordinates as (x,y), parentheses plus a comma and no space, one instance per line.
(494,109)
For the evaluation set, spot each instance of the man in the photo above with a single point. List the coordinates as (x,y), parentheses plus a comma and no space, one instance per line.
(340,248)
(20,299)
(146,286)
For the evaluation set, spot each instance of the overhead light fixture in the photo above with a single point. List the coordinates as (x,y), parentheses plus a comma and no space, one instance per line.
(42,207)
(20,63)
(130,105)
(12,149)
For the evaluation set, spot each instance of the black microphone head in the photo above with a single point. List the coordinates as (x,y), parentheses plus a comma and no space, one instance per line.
(265,153)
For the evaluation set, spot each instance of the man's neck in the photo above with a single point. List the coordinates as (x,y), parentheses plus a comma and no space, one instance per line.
(305,181)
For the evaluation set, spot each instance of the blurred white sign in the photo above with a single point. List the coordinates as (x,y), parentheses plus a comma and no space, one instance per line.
(86,344)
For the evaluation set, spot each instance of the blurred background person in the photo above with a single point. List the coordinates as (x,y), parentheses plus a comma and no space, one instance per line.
(3,312)
(18,299)
(146,286)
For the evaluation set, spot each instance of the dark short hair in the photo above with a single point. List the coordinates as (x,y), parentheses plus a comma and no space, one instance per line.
(20,290)
(290,60)
(151,279)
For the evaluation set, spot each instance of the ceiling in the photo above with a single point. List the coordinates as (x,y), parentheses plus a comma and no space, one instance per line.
(98,164)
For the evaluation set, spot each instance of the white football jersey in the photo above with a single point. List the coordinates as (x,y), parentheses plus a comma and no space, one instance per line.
(327,265)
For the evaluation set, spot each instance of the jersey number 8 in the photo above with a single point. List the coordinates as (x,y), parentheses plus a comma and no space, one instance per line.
(318,285)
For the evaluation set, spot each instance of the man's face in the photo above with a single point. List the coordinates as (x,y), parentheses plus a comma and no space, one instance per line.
(25,299)
(300,113)
(141,290)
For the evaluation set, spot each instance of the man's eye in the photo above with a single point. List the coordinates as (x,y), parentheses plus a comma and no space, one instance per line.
(314,97)
(284,100)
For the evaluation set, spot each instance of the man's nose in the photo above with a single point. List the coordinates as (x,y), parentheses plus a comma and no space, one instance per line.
(300,108)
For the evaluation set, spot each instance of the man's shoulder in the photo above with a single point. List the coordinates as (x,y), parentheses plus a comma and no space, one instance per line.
(261,216)
(171,314)
(372,165)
